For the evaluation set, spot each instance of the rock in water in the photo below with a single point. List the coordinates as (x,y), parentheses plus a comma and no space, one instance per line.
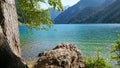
(64,55)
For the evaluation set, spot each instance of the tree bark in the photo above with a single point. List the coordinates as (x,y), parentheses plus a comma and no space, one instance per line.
(9,25)
(7,58)
(10,54)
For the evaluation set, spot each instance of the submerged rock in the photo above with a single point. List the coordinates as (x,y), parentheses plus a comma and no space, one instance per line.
(64,55)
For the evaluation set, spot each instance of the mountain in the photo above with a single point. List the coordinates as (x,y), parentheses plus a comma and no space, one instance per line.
(55,13)
(88,11)
(74,10)
(108,2)
(110,14)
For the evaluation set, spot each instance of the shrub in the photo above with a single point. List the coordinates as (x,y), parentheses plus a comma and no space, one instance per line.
(96,61)
(116,51)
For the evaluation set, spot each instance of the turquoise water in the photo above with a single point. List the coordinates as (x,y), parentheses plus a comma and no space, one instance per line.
(89,38)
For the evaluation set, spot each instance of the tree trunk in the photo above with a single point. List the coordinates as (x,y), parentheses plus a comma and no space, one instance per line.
(9,24)
(10,55)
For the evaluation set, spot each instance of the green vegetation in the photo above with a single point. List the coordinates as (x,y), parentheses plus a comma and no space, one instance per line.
(96,61)
(31,13)
(116,51)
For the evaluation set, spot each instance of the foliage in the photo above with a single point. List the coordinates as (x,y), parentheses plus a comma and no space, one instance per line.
(30,12)
(96,61)
(116,50)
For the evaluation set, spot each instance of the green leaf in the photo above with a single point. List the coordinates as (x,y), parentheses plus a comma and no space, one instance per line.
(30,13)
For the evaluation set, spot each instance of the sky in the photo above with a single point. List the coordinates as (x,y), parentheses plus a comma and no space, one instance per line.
(69,2)
(64,2)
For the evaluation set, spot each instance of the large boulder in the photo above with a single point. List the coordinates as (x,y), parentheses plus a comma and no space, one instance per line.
(64,55)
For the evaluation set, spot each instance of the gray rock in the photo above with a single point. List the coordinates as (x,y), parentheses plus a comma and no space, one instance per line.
(64,55)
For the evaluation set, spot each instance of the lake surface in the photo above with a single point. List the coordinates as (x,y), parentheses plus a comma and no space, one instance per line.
(89,38)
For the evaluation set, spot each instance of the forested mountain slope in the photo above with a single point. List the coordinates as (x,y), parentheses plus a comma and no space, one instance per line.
(74,10)
(110,14)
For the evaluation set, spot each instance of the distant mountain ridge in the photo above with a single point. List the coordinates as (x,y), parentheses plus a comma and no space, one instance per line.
(108,2)
(87,13)
(110,14)
(74,10)
(81,10)
(55,13)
